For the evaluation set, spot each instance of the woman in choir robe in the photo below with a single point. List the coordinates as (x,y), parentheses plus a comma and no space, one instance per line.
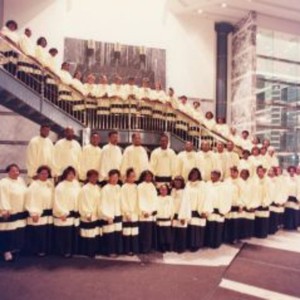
(200,208)
(182,214)
(165,213)
(233,220)
(147,200)
(65,212)
(110,208)
(248,202)
(219,194)
(262,198)
(12,213)
(291,213)
(39,204)
(130,214)
(88,206)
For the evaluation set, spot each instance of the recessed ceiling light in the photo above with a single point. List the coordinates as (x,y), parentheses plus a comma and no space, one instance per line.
(200,11)
(224,5)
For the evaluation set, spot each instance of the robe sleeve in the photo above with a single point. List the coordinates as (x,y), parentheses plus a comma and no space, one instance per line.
(4,197)
(83,204)
(32,206)
(185,210)
(58,207)
(30,159)
(105,207)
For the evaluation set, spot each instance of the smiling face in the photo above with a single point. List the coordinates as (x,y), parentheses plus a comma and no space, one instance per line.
(14,172)
(43,175)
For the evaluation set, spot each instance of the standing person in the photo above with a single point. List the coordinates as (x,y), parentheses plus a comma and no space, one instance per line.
(40,152)
(12,213)
(200,207)
(220,160)
(111,155)
(165,214)
(90,157)
(206,160)
(271,157)
(245,162)
(91,101)
(209,121)
(130,213)
(232,158)
(88,206)
(67,152)
(220,196)
(41,56)
(222,128)
(246,141)
(145,105)
(255,160)
(186,160)
(147,199)
(163,162)
(263,201)
(110,208)
(39,204)
(291,212)
(135,156)
(66,216)
(182,215)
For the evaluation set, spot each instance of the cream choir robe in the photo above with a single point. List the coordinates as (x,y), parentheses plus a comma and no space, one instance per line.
(246,164)
(12,201)
(291,214)
(206,164)
(272,161)
(255,161)
(79,86)
(53,64)
(67,153)
(39,202)
(117,90)
(210,124)
(264,161)
(222,129)
(263,201)
(26,45)
(40,151)
(186,161)
(111,158)
(246,144)
(90,159)
(220,162)
(220,194)
(232,160)
(41,55)
(163,164)
(147,199)
(12,35)
(134,157)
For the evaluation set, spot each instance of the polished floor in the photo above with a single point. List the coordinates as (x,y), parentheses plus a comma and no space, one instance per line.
(256,269)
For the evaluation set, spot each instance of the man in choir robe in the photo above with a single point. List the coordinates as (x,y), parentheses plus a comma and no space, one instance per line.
(40,152)
(232,158)
(67,152)
(163,162)
(271,157)
(186,161)
(245,163)
(135,156)
(222,128)
(246,142)
(255,159)
(206,160)
(220,159)
(111,156)
(90,156)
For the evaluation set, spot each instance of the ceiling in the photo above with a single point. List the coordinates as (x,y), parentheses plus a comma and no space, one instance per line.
(234,10)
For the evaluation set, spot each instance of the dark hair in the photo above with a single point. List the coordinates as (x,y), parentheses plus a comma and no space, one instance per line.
(11,22)
(209,113)
(183,97)
(129,171)
(91,172)
(166,186)
(260,167)
(245,171)
(180,179)
(53,50)
(291,167)
(246,151)
(216,172)
(245,131)
(65,63)
(171,89)
(131,78)
(197,171)
(13,165)
(44,168)
(114,172)
(66,172)
(234,169)
(164,135)
(112,133)
(40,39)
(45,126)
(144,174)
(255,148)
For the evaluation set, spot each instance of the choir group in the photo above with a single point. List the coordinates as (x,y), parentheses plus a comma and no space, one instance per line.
(87,200)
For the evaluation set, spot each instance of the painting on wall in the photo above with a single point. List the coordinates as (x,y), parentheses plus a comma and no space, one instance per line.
(110,59)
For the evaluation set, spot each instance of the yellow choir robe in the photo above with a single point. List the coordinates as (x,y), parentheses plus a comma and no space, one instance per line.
(246,194)
(232,160)
(246,165)
(220,162)
(186,161)
(147,201)
(66,153)
(222,129)
(12,35)
(129,201)
(206,164)
(26,45)
(41,55)
(260,193)
(40,151)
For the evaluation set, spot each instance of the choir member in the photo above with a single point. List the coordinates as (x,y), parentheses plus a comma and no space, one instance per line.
(163,161)
(171,104)
(206,160)
(90,157)
(234,137)
(40,151)
(67,152)
(65,96)
(144,96)
(249,204)
(111,155)
(182,214)
(255,160)
(200,207)
(222,128)
(88,206)
(220,160)
(186,160)
(66,215)
(165,213)
(219,193)
(160,98)
(245,163)
(234,219)
(263,158)
(263,201)
(291,213)
(266,143)
(90,101)
(39,204)
(232,158)
(110,208)
(10,31)
(78,96)
(246,142)
(41,56)
(135,156)
(130,214)
(271,157)
(12,213)
(209,121)
(147,200)
(198,113)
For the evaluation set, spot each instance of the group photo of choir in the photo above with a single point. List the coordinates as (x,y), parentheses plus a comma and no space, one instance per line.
(104,201)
